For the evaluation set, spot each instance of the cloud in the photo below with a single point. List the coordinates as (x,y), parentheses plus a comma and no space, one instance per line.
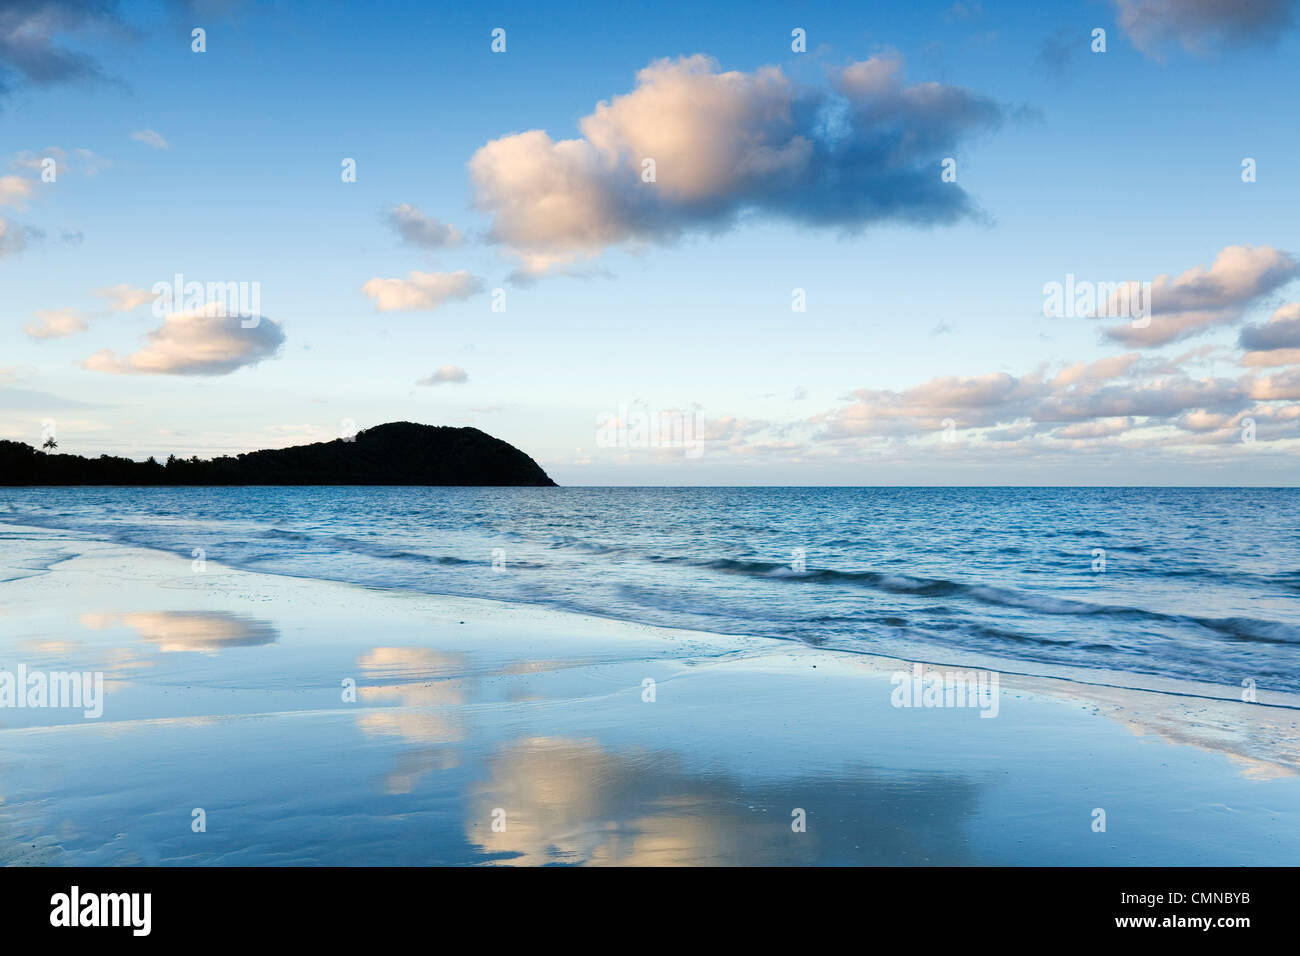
(446,374)
(967,400)
(421,290)
(727,144)
(124,298)
(1282,331)
(1100,370)
(79,159)
(417,229)
(1119,405)
(204,632)
(1158,398)
(1102,428)
(1058,50)
(13,237)
(962,11)
(151,138)
(1272,358)
(1202,299)
(28,48)
(1085,402)
(204,341)
(15,190)
(1283,385)
(55,324)
(1198,24)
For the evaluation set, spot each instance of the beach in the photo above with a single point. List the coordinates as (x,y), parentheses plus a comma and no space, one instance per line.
(264,719)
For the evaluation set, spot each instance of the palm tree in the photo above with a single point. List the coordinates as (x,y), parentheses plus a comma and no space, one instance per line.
(50,444)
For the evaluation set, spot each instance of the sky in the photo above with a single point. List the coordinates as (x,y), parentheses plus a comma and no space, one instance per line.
(754,244)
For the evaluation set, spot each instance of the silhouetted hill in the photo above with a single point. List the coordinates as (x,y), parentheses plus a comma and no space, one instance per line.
(399,453)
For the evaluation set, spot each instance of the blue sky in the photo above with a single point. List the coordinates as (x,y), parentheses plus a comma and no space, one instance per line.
(1115,166)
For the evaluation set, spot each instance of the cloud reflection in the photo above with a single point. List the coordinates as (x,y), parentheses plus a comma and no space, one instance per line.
(197,631)
(570,801)
(419,685)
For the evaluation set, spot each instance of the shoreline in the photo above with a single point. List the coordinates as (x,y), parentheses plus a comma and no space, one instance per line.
(464,701)
(1105,679)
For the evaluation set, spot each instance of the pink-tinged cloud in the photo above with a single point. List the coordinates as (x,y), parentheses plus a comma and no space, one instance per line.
(724,144)
(1086,402)
(1203,299)
(55,324)
(1101,428)
(447,375)
(200,342)
(1284,385)
(1273,358)
(421,291)
(15,191)
(124,298)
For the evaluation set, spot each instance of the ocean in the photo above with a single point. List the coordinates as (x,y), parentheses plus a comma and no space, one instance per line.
(1184,584)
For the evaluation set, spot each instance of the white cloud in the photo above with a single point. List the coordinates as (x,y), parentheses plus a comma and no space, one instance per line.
(447,374)
(15,190)
(151,138)
(421,290)
(124,298)
(79,160)
(201,342)
(55,323)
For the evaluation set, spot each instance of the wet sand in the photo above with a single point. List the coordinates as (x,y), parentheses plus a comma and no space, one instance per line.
(484,732)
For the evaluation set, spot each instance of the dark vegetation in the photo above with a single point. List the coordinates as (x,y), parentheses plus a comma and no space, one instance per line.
(399,453)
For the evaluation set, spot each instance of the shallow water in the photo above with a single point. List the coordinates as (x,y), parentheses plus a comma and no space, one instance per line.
(225,693)
(1198,584)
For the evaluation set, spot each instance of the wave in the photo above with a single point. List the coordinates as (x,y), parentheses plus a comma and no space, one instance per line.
(1235,628)
(945,591)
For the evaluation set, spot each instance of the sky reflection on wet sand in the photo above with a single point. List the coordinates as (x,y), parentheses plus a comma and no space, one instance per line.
(226,694)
